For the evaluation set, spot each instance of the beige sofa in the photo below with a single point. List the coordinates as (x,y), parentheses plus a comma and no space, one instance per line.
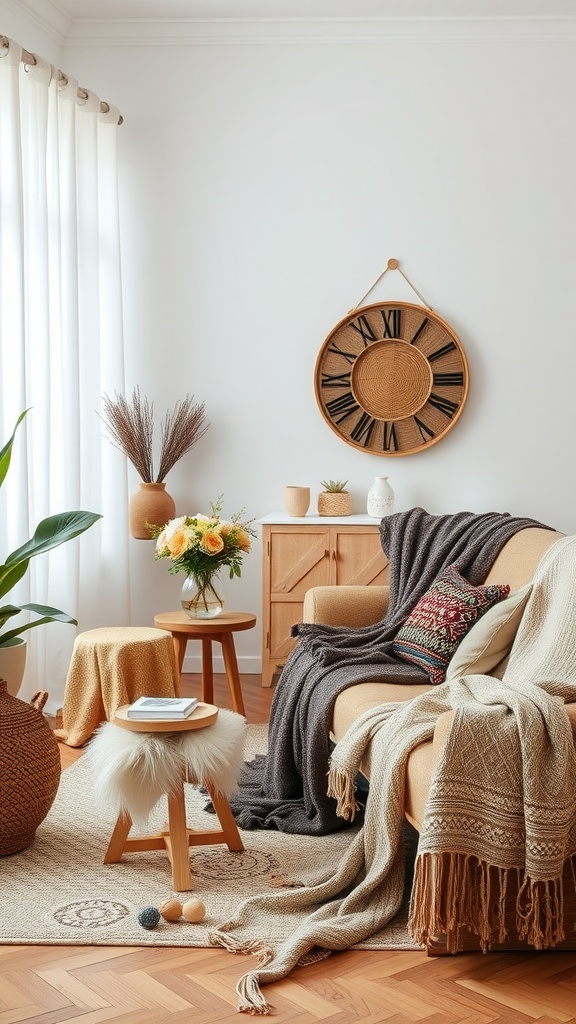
(358,606)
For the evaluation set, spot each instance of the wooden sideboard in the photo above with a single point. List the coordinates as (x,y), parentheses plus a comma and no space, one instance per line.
(314,551)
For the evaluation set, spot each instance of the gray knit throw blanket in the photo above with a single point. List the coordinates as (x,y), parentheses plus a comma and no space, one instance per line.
(286,789)
(502,804)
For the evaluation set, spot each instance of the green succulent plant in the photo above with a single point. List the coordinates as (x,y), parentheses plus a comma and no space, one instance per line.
(334,486)
(49,533)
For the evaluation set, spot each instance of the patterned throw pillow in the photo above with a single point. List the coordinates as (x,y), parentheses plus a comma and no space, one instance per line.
(441,618)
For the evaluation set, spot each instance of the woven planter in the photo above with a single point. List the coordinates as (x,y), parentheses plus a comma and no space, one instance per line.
(334,503)
(29,769)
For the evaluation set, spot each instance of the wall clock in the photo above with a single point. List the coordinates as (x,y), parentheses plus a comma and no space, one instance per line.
(391,378)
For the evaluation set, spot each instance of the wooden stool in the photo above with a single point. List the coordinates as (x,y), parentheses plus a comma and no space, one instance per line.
(112,666)
(178,838)
(220,629)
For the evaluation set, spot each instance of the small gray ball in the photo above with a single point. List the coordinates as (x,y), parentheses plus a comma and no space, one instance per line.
(149,917)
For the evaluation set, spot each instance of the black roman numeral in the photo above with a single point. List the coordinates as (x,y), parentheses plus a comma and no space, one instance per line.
(424,324)
(448,380)
(443,405)
(363,327)
(441,352)
(425,432)
(349,356)
(392,319)
(390,440)
(336,380)
(363,430)
(345,404)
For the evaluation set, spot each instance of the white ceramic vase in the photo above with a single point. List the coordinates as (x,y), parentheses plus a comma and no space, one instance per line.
(380,500)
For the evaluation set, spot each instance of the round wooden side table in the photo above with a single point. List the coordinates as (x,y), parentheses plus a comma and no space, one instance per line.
(220,629)
(177,838)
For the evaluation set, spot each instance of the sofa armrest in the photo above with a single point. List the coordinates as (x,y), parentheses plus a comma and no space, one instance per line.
(345,606)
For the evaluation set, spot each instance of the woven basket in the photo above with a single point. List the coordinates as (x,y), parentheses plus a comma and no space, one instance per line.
(29,769)
(334,503)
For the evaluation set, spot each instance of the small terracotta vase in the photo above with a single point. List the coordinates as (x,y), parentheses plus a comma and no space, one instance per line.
(151,505)
(29,769)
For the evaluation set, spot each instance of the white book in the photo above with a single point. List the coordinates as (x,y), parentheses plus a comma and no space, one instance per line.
(162,709)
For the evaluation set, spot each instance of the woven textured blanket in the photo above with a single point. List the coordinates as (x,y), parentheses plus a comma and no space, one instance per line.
(286,789)
(503,800)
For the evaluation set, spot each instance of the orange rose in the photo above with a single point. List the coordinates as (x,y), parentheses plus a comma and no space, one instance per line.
(212,543)
(243,540)
(178,543)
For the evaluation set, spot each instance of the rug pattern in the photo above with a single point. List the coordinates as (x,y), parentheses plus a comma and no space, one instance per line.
(59,891)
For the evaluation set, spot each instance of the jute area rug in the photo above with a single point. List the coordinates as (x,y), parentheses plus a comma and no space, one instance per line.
(59,891)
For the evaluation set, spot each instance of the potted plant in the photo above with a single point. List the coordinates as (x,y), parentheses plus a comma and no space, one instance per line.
(131,426)
(49,533)
(334,500)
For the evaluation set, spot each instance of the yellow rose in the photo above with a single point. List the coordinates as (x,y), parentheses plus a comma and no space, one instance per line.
(212,543)
(243,540)
(178,543)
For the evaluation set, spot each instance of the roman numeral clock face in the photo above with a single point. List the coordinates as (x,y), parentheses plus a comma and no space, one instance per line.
(391,378)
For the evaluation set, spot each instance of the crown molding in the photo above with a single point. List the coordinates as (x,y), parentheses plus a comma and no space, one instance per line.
(300,31)
(43,13)
(250,29)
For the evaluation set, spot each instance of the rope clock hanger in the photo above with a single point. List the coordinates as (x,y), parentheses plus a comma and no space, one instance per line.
(392,377)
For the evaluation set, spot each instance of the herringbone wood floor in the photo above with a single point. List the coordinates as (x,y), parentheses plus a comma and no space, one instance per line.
(85,984)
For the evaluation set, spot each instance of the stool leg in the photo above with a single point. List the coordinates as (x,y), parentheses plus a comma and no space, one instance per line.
(231,666)
(118,839)
(226,818)
(177,842)
(207,671)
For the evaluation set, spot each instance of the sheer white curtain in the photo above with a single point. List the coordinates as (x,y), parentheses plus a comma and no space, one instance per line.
(61,348)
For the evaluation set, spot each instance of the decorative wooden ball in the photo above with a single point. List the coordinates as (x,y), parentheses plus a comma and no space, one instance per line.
(194,911)
(148,917)
(170,909)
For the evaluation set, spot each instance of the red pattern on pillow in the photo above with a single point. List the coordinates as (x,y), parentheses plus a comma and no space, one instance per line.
(441,619)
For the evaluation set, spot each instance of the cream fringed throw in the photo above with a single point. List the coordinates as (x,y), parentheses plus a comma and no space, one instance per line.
(503,800)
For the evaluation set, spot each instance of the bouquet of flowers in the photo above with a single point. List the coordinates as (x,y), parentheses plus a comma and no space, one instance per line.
(200,546)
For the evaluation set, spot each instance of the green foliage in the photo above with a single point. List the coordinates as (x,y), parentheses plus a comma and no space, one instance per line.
(49,533)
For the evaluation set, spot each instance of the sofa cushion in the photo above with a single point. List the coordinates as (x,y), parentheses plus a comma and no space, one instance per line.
(491,638)
(441,619)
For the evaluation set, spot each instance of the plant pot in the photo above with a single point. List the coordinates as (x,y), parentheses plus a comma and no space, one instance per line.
(13,664)
(29,769)
(334,503)
(151,504)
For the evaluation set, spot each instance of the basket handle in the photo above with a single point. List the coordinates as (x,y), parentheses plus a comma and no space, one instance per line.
(39,699)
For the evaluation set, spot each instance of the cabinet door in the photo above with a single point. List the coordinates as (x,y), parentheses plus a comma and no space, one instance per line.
(296,559)
(358,558)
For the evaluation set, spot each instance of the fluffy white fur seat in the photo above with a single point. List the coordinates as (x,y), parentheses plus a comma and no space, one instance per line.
(132,770)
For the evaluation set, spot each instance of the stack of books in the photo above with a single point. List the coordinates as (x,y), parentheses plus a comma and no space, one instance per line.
(162,709)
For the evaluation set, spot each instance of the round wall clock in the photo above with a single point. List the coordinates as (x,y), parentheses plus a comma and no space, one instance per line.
(391,378)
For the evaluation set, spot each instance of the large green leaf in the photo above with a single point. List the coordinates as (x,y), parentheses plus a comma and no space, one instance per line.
(10,575)
(53,531)
(6,453)
(47,615)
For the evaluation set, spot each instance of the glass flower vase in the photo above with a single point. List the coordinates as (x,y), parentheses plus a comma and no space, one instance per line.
(200,599)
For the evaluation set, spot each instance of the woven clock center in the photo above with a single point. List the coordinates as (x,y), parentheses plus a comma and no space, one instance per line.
(391,380)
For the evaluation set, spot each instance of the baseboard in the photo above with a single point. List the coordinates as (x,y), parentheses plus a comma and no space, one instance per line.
(247,664)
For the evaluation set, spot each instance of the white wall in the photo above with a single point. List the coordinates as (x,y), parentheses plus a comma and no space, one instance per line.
(267,178)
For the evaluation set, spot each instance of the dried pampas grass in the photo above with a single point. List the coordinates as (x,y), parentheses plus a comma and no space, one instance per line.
(131,426)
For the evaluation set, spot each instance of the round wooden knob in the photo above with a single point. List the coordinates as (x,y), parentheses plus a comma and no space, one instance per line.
(392,264)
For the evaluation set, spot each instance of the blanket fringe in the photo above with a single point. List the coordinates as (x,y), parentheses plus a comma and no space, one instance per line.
(453,893)
(250,998)
(342,788)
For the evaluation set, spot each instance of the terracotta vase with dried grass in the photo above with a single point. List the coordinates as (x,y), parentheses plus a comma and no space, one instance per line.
(131,426)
